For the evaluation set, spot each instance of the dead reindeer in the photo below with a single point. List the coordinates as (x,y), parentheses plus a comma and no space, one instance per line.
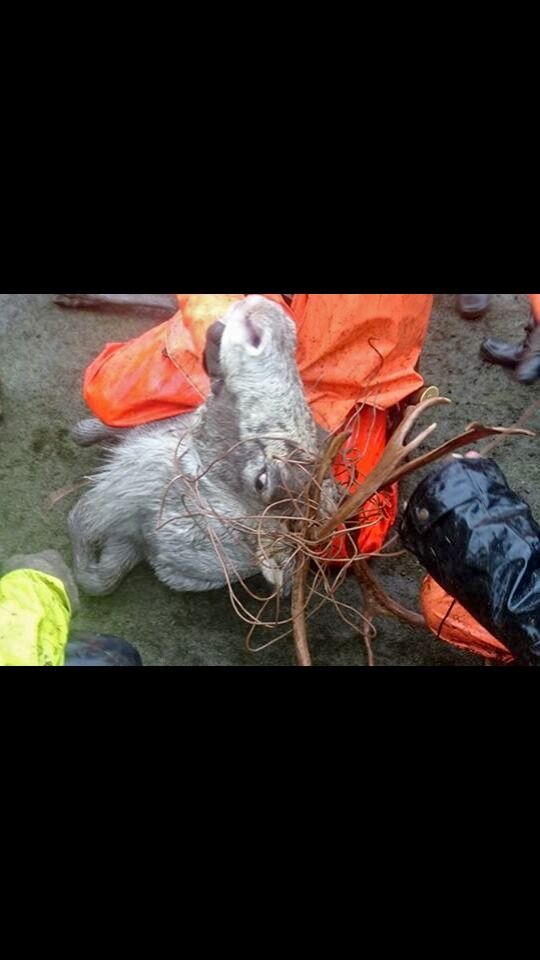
(205,498)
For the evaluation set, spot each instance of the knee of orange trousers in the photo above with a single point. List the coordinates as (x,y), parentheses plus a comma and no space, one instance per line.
(359,347)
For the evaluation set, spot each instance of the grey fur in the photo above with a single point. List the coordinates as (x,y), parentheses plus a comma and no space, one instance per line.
(136,510)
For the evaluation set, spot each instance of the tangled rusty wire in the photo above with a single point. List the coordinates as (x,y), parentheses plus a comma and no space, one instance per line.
(296,534)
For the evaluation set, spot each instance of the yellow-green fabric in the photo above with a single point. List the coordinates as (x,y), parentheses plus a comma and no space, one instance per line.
(35,613)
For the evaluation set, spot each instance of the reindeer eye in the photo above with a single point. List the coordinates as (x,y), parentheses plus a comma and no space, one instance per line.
(261,481)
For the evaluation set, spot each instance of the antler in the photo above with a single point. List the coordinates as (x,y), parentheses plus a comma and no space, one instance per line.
(392,466)
(301,645)
(396,452)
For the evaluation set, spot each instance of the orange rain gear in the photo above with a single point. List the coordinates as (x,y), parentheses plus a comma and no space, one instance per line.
(447,619)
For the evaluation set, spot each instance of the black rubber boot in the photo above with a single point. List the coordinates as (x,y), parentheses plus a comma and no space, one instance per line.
(525,359)
(100,650)
(501,352)
(528,368)
(473,305)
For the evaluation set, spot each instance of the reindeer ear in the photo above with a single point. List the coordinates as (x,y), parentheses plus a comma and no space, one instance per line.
(211,353)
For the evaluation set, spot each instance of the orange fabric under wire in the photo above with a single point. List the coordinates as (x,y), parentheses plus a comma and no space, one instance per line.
(447,619)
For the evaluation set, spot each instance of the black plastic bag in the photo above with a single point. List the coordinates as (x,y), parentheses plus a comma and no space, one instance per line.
(479,541)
